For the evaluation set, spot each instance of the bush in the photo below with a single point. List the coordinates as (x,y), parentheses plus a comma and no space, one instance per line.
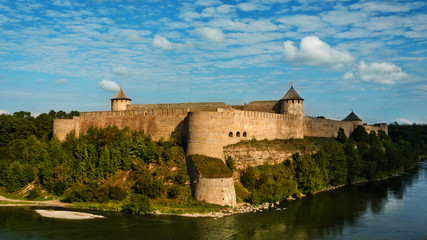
(174,192)
(33,193)
(139,204)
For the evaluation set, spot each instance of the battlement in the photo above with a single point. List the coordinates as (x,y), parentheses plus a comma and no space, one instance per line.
(130,113)
(256,114)
(193,107)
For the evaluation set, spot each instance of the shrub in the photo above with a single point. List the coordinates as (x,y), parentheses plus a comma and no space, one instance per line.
(174,192)
(33,193)
(139,204)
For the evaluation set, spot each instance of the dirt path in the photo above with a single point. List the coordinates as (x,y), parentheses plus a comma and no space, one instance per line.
(47,203)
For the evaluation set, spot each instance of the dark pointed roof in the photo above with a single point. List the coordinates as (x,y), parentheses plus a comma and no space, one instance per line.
(352,117)
(121,96)
(292,95)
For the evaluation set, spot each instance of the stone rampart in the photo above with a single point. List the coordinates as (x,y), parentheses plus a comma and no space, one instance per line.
(319,127)
(376,128)
(159,123)
(208,132)
(212,190)
(61,127)
(192,107)
(263,106)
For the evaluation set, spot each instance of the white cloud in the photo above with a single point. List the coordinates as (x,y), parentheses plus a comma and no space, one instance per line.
(61,3)
(61,81)
(211,34)
(348,75)
(162,43)
(384,73)
(4,112)
(108,85)
(247,7)
(207,3)
(385,6)
(120,70)
(189,15)
(404,121)
(314,52)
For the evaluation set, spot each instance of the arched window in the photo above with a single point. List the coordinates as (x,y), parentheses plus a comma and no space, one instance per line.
(245,134)
(230,134)
(237,134)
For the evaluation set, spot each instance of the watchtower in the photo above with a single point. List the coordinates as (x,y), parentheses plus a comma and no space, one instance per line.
(120,101)
(292,103)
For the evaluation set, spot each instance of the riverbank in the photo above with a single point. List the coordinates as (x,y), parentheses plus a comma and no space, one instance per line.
(239,209)
(19,203)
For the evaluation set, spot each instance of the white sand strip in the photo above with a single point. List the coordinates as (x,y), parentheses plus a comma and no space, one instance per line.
(66,214)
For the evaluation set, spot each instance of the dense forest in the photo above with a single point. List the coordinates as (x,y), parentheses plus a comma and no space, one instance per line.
(128,171)
(361,156)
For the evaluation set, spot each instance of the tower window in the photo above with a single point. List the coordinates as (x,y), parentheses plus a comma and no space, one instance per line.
(237,134)
(230,134)
(244,134)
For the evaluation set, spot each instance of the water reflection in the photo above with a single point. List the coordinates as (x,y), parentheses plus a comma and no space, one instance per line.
(390,209)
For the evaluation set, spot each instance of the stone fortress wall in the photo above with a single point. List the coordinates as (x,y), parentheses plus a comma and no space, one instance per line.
(208,127)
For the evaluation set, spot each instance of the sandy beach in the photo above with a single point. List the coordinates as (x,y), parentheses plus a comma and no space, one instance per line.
(67,214)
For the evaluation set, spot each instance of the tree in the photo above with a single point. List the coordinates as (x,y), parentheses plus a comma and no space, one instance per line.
(359,135)
(341,137)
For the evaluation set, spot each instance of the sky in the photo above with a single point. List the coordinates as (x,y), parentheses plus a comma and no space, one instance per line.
(365,56)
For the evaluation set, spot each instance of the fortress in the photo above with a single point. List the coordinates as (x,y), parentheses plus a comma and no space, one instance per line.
(208,127)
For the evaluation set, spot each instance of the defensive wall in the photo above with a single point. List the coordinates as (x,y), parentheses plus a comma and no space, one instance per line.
(209,132)
(159,123)
(208,127)
(213,190)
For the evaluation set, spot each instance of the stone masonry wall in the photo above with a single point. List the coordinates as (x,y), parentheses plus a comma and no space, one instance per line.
(157,123)
(318,127)
(209,132)
(212,190)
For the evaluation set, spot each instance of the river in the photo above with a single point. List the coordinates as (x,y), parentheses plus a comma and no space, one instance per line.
(395,208)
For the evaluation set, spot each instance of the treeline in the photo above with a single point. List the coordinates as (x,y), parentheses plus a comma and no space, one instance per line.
(359,157)
(21,125)
(100,166)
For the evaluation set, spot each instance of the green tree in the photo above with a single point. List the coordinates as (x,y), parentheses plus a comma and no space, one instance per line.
(341,137)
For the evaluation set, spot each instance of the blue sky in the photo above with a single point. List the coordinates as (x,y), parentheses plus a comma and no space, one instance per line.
(370,56)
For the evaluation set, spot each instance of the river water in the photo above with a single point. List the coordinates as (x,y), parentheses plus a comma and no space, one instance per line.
(390,209)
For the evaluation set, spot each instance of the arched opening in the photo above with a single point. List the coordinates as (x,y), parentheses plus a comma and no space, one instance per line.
(230,134)
(237,134)
(245,134)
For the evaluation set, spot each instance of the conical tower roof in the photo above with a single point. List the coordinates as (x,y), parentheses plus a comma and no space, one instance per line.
(352,117)
(121,96)
(292,95)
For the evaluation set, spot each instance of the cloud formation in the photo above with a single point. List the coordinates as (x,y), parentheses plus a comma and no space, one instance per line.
(4,112)
(120,71)
(162,43)
(314,52)
(108,85)
(211,34)
(384,73)
(61,81)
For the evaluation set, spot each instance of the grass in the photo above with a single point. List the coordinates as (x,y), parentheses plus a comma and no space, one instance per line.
(179,207)
(10,202)
(211,167)
(109,206)
(242,193)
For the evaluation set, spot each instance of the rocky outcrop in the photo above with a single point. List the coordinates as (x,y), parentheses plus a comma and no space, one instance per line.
(253,153)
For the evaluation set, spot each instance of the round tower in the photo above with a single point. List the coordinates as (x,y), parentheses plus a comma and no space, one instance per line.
(292,103)
(120,101)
